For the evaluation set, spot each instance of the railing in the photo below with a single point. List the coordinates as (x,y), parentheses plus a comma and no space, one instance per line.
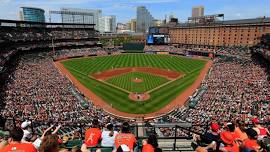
(178,132)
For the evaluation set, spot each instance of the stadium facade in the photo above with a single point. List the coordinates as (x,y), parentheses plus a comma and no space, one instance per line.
(69,17)
(247,32)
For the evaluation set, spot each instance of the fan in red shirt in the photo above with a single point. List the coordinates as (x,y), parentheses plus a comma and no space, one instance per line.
(125,137)
(251,142)
(228,140)
(15,144)
(231,129)
(92,135)
(261,131)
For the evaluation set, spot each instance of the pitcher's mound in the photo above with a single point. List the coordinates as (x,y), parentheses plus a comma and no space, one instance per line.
(137,80)
(139,96)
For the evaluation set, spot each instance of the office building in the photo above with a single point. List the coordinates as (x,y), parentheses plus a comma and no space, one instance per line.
(197,11)
(32,14)
(84,16)
(144,20)
(133,25)
(128,25)
(107,24)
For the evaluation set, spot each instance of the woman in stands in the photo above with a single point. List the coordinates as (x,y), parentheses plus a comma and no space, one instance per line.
(49,144)
(108,136)
(151,144)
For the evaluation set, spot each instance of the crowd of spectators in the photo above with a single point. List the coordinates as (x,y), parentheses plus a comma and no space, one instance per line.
(235,51)
(166,48)
(263,49)
(96,138)
(36,91)
(236,87)
(16,34)
(233,136)
(86,52)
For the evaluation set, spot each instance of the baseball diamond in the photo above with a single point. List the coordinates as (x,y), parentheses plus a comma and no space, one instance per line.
(114,89)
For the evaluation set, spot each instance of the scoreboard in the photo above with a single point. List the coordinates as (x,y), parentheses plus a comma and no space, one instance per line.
(158,39)
(157,36)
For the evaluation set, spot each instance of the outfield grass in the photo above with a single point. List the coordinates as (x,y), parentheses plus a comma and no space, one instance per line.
(81,68)
(125,81)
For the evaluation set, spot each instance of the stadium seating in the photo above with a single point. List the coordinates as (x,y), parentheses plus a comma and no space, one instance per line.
(236,87)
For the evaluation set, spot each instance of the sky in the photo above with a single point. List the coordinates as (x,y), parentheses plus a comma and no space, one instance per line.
(126,9)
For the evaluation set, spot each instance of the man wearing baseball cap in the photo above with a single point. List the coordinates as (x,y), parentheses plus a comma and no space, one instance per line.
(208,139)
(212,135)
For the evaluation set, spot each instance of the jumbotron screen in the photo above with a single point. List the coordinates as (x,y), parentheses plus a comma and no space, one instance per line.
(158,39)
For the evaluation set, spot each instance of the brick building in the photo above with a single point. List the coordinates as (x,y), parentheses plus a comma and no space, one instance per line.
(228,33)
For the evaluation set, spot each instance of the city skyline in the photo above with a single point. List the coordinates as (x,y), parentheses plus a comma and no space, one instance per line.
(125,10)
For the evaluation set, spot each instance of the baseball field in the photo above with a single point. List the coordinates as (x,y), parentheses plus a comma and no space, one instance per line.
(114,78)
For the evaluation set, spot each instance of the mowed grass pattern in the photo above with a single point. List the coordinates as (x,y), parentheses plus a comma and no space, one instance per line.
(81,68)
(149,82)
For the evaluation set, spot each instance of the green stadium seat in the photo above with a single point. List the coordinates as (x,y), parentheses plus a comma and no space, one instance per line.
(73,143)
(103,149)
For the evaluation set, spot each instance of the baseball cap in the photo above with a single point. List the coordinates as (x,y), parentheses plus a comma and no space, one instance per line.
(25,124)
(214,126)
(255,120)
(226,137)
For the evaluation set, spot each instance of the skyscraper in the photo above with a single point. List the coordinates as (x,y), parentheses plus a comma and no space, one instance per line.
(107,24)
(144,19)
(84,16)
(197,11)
(32,14)
(133,25)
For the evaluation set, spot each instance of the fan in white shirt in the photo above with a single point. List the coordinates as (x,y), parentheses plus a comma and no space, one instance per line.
(108,136)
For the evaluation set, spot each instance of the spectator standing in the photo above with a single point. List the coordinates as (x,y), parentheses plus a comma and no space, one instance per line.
(26,133)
